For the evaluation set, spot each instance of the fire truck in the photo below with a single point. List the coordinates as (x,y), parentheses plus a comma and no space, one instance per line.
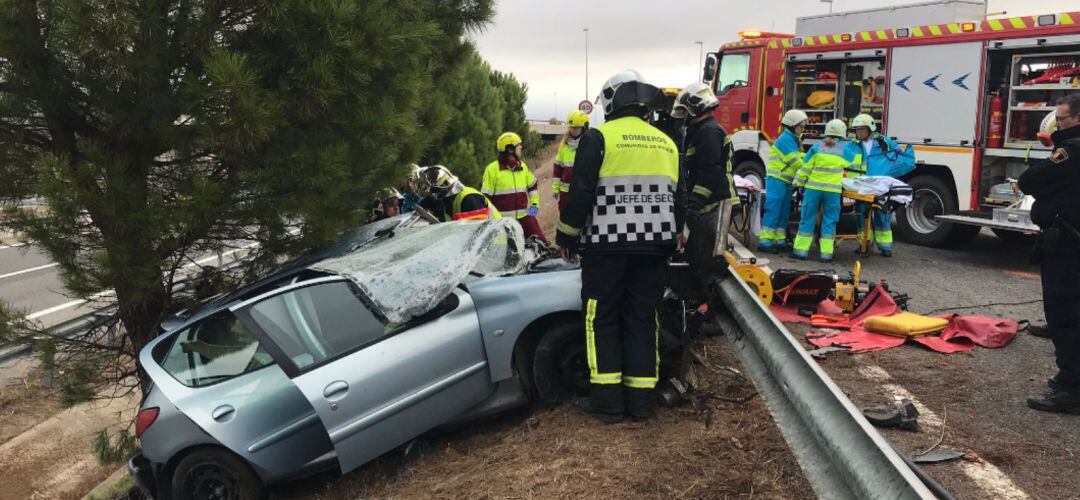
(969,92)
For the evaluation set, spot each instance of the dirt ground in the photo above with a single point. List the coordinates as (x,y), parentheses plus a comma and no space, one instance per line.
(45,451)
(558,453)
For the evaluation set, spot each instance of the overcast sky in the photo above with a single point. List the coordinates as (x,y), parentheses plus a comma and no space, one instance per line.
(542,42)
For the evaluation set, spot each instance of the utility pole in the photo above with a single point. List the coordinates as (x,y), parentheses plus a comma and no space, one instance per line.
(700,54)
(586,30)
(830,2)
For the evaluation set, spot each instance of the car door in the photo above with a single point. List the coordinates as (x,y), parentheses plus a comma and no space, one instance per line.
(374,385)
(733,89)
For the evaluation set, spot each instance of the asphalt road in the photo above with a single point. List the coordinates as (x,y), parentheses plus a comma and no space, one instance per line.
(976,399)
(29,282)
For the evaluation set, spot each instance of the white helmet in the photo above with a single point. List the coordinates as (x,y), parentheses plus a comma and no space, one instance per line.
(864,120)
(694,100)
(626,88)
(436,181)
(836,128)
(1047,129)
(794,117)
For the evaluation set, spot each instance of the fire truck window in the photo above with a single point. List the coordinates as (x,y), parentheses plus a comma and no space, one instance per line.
(734,72)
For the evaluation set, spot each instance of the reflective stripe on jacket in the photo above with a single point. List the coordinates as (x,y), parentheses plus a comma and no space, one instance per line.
(785,157)
(635,191)
(471,213)
(823,167)
(511,190)
(563,171)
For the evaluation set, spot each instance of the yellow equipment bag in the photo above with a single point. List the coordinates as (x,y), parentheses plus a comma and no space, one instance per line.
(821,98)
(905,324)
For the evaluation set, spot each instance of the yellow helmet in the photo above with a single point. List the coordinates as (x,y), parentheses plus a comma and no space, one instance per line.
(577,119)
(864,120)
(507,139)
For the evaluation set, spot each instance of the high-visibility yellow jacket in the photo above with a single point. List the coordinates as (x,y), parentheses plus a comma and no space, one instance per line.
(563,170)
(511,189)
(785,157)
(823,167)
(469,204)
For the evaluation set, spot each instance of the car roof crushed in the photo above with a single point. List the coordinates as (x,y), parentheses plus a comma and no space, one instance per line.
(410,272)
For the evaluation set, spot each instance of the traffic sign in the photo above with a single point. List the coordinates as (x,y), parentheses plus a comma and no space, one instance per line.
(585,106)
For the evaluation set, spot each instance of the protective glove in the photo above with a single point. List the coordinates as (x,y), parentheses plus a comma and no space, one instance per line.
(693,209)
(533,211)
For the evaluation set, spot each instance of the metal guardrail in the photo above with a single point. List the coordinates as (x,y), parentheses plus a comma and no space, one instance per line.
(842,455)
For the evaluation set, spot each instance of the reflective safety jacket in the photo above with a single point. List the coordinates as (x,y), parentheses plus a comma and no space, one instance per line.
(886,157)
(469,204)
(627,195)
(785,157)
(563,170)
(512,189)
(823,167)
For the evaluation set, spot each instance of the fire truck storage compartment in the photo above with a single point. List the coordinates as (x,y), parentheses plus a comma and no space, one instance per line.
(827,88)
(934,93)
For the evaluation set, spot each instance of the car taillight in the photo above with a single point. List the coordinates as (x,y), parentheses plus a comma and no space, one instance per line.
(144,420)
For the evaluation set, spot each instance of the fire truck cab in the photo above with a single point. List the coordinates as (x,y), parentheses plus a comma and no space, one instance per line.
(967,92)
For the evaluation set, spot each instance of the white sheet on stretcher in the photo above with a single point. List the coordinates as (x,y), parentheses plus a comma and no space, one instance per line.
(876,185)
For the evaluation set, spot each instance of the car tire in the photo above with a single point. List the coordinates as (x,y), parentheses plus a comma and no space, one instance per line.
(211,474)
(916,224)
(559,368)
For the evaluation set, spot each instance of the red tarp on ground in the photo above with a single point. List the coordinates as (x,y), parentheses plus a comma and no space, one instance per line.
(962,334)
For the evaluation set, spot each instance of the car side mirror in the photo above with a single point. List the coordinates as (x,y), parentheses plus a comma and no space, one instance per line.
(710,67)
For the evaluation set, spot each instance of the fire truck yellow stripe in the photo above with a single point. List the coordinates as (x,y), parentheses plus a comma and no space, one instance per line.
(995,24)
(954,28)
(823,39)
(772,45)
(787,43)
(810,40)
(836,38)
(1018,23)
(865,36)
(882,35)
(1065,18)
(934,30)
(917,31)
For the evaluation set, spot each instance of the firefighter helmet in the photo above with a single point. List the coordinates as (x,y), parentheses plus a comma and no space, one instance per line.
(507,140)
(1047,129)
(437,181)
(577,119)
(794,118)
(695,100)
(864,120)
(836,128)
(627,88)
(387,194)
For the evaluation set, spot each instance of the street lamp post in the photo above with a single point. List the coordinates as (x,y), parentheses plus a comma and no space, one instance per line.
(586,30)
(830,2)
(555,102)
(700,54)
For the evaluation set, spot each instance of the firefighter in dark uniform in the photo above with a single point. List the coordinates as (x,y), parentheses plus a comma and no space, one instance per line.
(1054,184)
(707,164)
(623,216)
(450,199)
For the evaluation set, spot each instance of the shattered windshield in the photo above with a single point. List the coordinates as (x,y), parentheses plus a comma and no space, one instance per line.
(408,274)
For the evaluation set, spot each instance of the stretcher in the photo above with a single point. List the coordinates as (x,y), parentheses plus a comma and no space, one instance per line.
(857,202)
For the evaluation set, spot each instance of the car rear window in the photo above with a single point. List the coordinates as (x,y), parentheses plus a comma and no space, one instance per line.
(215,349)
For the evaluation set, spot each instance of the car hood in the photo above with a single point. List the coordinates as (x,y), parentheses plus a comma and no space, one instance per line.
(408,273)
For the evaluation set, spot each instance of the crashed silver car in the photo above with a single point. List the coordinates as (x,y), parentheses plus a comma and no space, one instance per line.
(343,356)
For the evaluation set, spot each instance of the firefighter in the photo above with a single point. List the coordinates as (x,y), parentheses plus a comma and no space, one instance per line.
(512,188)
(1056,211)
(880,156)
(707,165)
(785,159)
(624,213)
(454,200)
(563,169)
(821,176)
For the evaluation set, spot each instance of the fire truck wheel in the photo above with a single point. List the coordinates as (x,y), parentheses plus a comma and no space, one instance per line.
(916,223)
(752,171)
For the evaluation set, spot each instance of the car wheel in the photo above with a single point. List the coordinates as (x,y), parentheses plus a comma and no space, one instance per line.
(560,370)
(213,474)
(917,224)
(1014,237)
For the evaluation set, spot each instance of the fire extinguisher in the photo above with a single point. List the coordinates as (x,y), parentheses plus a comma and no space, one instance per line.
(996,135)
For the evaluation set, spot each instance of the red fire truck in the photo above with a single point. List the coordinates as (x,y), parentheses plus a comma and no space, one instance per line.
(969,96)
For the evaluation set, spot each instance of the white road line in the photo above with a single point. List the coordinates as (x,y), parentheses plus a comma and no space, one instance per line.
(30,270)
(988,477)
(17,245)
(76,303)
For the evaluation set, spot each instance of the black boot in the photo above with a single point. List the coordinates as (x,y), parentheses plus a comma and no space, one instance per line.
(640,404)
(1043,332)
(605,402)
(587,407)
(1057,400)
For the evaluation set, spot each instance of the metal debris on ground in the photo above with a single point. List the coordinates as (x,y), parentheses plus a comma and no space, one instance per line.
(906,416)
(937,456)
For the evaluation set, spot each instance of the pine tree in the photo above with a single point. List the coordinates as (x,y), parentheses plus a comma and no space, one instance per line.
(160,130)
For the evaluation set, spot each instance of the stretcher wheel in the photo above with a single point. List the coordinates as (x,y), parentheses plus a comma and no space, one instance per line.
(758,281)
